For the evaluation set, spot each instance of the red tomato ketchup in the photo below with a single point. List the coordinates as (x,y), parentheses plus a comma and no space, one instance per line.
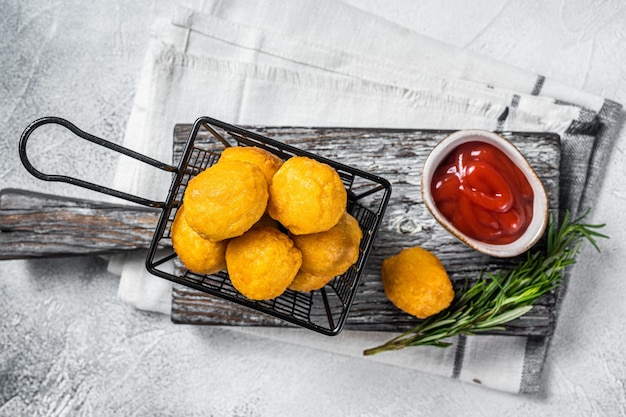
(483,193)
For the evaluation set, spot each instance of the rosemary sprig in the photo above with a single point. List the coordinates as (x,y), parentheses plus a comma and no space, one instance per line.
(496,299)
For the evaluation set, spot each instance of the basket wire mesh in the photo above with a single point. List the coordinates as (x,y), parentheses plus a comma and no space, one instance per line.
(324,310)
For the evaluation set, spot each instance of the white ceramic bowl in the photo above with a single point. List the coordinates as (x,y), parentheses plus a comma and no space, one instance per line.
(540,202)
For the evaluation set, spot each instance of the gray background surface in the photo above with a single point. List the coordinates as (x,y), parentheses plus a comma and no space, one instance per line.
(69,347)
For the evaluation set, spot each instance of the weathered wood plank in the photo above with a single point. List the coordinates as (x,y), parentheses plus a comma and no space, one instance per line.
(34,225)
(398,156)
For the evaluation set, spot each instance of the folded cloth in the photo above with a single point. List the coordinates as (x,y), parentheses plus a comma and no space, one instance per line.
(324,63)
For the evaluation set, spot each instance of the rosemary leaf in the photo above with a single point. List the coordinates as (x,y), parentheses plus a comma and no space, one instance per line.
(496,299)
(503,318)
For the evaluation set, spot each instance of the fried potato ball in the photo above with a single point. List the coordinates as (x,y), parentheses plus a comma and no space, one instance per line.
(306,196)
(417,283)
(267,161)
(225,200)
(306,282)
(332,252)
(199,255)
(262,262)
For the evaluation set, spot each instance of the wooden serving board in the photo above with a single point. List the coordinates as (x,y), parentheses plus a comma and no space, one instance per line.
(398,156)
(37,225)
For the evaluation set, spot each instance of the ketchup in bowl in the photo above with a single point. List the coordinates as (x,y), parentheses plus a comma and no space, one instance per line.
(483,193)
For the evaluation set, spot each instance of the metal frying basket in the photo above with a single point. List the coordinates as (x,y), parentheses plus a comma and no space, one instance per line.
(325,310)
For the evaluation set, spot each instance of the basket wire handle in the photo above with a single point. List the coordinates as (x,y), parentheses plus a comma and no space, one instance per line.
(94,139)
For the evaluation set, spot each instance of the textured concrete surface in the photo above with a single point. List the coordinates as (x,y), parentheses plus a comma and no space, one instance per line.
(69,347)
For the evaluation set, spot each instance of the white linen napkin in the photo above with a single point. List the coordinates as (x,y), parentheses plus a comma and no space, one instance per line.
(323,63)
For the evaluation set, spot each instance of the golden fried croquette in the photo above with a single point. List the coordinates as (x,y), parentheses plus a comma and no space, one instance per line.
(417,283)
(267,161)
(306,196)
(262,262)
(306,282)
(332,252)
(199,255)
(225,200)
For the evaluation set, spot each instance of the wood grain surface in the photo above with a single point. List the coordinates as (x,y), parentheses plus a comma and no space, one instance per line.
(34,225)
(398,156)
